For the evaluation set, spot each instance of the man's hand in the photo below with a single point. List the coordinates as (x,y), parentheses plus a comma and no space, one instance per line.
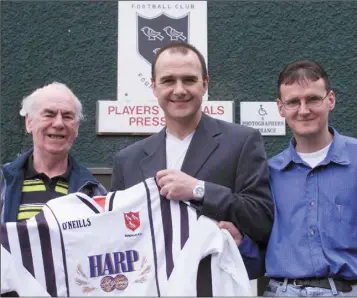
(237,236)
(176,185)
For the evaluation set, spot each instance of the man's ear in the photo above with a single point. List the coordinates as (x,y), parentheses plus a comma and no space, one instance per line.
(153,86)
(331,100)
(205,82)
(280,107)
(28,123)
(77,129)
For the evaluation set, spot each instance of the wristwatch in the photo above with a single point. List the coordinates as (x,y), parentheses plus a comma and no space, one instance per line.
(199,191)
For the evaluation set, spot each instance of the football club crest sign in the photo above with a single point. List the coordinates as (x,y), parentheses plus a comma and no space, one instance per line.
(153,33)
(143,28)
(132,220)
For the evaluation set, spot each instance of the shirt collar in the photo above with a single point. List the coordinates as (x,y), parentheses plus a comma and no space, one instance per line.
(30,171)
(337,152)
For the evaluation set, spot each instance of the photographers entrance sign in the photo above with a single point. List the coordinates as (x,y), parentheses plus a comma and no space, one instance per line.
(264,116)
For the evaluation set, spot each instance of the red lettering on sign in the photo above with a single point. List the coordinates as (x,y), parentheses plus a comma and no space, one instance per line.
(131,120)
(147,121)
(134,110)
(211,110)
(155,110)
(147,110)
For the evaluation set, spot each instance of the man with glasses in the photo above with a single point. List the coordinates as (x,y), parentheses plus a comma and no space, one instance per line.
(312,250)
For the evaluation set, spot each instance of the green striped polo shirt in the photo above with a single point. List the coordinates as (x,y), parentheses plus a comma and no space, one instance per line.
(38,189)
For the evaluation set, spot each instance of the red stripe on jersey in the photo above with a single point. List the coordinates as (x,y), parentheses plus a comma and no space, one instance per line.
(100,200)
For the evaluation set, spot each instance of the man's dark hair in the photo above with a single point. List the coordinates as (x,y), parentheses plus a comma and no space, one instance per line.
(183,48)
(302,71)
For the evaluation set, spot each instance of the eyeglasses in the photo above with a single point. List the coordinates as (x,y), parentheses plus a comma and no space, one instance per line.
(312,101)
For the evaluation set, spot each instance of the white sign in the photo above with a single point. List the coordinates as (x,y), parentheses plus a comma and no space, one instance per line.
(263,116)
(146,117)
(143,28)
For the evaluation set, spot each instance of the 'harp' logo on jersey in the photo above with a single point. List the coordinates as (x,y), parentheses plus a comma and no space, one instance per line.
(132,220)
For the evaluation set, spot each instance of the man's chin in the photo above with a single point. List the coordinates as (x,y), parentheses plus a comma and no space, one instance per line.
(184,115)
(307,133)
(57,150)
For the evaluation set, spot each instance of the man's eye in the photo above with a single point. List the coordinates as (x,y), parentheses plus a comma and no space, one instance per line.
(190,81)
(167,81)
(313,99)
(293,102)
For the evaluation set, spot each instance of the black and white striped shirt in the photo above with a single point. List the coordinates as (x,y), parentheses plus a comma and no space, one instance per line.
(140,246)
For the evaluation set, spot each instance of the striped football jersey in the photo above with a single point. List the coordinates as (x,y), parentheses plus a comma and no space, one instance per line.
(132,243)
(15,276)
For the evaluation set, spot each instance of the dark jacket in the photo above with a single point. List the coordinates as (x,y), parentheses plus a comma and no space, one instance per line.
(12,176)
(229,157)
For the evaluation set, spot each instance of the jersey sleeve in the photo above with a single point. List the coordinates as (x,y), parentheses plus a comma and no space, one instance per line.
(14,277)
(21,255)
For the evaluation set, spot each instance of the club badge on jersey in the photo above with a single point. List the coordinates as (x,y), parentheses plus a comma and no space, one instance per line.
(132,220)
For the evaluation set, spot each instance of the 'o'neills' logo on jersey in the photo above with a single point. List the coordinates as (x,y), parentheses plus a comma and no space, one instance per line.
(76,224)
(132,220)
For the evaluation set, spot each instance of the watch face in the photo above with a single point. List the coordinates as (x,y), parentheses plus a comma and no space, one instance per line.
(199,191)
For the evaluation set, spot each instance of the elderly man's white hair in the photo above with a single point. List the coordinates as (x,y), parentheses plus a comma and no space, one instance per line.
(29,101)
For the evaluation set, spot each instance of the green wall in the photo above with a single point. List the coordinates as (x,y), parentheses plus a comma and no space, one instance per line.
(248,44)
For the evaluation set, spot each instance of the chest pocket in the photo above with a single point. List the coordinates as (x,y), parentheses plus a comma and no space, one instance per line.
(338,202)
(340,223)
(345,201)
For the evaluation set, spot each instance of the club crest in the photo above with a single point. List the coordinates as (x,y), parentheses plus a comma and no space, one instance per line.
(132,220)
(154,33)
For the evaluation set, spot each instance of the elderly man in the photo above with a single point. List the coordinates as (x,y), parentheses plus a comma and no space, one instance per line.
(46,171)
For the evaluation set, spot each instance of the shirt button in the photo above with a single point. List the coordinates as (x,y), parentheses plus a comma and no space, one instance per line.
(312,203)
(311,174)
(312,233)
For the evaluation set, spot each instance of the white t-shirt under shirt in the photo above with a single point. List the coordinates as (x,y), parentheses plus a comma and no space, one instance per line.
(176,150)
(314,158)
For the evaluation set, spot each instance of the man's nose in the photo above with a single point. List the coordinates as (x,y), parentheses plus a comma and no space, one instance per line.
(58,121)
(179,89)
(303,109)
